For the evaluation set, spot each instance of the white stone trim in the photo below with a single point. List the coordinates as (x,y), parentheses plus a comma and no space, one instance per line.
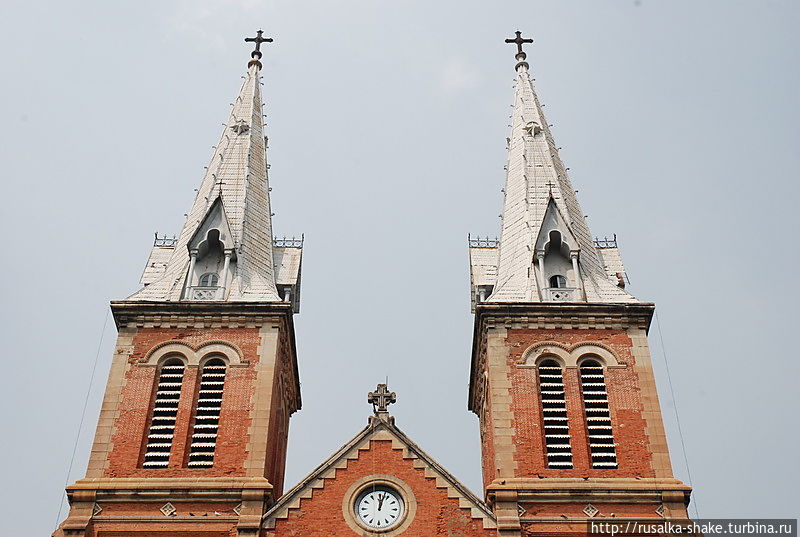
(195,355)
(341,462)
(570,355)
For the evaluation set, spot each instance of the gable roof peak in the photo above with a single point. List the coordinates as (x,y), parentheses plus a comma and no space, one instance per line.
(378,430)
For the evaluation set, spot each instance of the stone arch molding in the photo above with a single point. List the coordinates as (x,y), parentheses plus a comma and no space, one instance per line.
(570,355)
(195,355)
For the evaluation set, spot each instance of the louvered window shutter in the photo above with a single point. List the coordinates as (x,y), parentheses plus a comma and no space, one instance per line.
(206,418)
(598,416)
(165,411)
(554,415)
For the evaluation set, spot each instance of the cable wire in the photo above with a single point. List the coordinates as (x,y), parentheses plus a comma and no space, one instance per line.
(675,409)
(83,414)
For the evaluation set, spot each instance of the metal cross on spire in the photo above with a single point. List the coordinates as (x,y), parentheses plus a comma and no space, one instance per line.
(258,39)
(519,40)
(381,398)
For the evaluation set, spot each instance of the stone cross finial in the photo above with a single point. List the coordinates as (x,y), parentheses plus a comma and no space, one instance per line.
(258,39)
(519,41)
(381,398)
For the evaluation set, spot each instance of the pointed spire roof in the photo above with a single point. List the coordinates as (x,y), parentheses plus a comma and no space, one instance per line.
(235,182)
(536,177)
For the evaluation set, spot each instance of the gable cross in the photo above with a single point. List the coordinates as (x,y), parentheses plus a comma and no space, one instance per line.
(381,398)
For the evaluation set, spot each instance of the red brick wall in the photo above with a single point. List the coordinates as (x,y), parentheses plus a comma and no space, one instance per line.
(633,451)
(436,515)
(134,412)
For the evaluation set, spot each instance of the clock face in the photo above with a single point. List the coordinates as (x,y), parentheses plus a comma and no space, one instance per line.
(379,507)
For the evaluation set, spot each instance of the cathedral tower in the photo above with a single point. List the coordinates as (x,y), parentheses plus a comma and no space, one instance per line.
(561,378)
(192,433)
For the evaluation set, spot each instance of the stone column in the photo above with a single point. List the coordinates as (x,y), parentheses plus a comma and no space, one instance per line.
(540,262)
(574,257)
(225,271)
(190,277)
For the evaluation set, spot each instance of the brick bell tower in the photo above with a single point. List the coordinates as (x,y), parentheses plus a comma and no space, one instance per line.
(192,433)
(561,375)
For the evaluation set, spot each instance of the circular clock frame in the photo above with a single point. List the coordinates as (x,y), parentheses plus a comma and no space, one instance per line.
(379,481)
(367,495)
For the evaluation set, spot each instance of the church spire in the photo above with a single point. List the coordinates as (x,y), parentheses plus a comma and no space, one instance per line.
(546,252)
(225,250)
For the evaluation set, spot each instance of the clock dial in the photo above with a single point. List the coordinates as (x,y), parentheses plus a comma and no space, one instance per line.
(379,507)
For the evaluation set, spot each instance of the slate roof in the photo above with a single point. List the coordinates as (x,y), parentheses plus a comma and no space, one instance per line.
(535,172)
(238,173)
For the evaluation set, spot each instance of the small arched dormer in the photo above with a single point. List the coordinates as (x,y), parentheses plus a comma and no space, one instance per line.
(557,260)
(212,257)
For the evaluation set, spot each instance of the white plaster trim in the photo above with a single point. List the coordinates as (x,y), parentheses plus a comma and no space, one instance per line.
(570,355)
(194,355)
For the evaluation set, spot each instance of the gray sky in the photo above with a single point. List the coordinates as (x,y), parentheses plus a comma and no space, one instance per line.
(387,123)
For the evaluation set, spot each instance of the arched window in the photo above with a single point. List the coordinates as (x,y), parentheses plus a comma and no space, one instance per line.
(165,411)
(554,415)
(598,417)
(206,415)
(558,282)
(209,279)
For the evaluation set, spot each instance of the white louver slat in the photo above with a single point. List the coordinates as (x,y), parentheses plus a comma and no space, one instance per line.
(554,415)
(598,415)
(206,415)
(165,412)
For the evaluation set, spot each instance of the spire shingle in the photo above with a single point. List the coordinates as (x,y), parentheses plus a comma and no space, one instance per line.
(237,174)
(535,176)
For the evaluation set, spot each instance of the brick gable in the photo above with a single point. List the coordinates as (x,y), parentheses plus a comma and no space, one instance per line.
(320,505)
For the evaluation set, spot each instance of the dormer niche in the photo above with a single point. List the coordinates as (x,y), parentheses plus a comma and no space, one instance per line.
(557,260)
(212,258)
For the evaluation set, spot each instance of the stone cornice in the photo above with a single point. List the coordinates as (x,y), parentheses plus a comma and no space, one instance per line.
(560,490)
(551,315)
(173,489)
(567,315)
(197,314)
(591,483)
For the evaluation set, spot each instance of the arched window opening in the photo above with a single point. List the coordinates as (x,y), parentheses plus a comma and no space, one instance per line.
(206,417)
(209,279)
(165,412)
(558,282)
(554,415)
(598,416)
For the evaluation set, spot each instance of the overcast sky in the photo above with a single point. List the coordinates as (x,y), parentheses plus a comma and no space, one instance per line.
(387,123)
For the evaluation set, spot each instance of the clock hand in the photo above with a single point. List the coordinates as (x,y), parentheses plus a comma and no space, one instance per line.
(380,501)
